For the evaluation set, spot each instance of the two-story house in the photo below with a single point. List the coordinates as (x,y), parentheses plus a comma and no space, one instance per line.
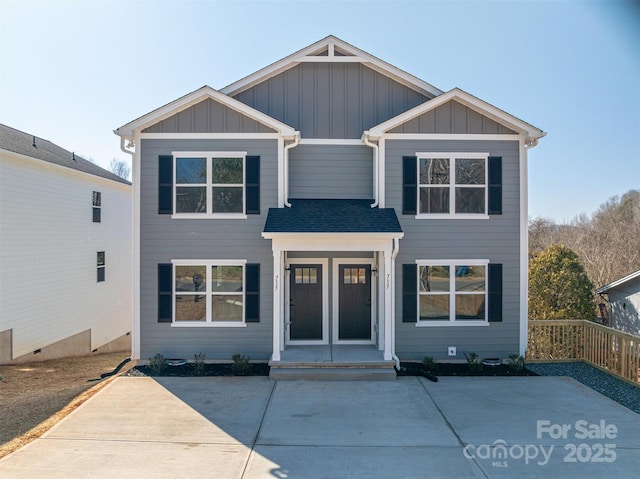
(330,204)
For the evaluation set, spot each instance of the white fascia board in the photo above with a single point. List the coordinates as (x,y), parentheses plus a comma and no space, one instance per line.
(618,282)
(464,98)
(308,54)
(267,235)
(170,109)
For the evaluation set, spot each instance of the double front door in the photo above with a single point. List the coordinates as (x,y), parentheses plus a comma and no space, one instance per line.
(308,320)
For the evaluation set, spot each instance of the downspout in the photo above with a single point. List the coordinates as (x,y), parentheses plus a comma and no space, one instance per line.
(296,140)
(394,253)
(365,139)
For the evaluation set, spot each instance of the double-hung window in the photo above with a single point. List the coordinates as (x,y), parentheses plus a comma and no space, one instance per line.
(209,184)
(209,293)
(452,184)
(452,291)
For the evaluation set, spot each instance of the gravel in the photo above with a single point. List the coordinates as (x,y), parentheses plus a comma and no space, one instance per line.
(621,392)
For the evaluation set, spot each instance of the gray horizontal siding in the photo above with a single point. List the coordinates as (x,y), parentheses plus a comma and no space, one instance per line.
(496,239)
(164,239)
(331,172)
(208,116)
(452,117)
(331,100)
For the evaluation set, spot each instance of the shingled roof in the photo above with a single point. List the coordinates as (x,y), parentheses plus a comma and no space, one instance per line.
(332,216)
(29,145)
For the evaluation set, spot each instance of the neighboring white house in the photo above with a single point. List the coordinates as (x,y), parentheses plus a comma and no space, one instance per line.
(624,303)
(65,253)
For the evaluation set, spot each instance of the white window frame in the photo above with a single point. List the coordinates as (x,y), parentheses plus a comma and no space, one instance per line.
(96,195)
(209,185)
(209,294)
(452,184)
(452,263)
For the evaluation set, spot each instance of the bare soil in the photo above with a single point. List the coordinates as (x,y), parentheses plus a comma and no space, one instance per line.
(35,396)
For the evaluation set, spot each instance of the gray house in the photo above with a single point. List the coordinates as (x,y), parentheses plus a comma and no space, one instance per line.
(624,303)
(330,206)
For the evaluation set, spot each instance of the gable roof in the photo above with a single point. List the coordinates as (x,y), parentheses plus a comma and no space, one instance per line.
(332,49)
(25,144)
(618,282)
(332,216)
(470,101)
(206,92)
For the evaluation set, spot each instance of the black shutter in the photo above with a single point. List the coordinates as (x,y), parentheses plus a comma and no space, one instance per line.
(409,293)
(165,287)
(495,185)
(165,185)
(252,187)
(252,293)
(409,185)
(495,292)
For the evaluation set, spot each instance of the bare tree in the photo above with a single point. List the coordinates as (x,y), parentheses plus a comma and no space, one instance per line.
(120,168)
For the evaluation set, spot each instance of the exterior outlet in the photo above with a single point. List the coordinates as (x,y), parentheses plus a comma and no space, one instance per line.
(452,350)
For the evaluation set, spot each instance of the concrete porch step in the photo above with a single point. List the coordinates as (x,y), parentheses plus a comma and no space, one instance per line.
(333,372)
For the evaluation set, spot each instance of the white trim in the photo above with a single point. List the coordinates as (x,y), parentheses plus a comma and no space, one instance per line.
(193,98)
(324,263)
(135,303)
(452,158)
(524,249)
(210,136)
(450,136)
(450,324)
(335,59)
(337,262)
(382,177)
(350,51)
(331,141)
(618,282)
(208,293)
(452,293)
(347,242)
(206,216)
(467,100)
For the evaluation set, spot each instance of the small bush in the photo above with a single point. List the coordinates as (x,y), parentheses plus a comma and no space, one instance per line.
(516,362)
(157,365)
(199,368)
(430,364)
(241,365)
(474,362)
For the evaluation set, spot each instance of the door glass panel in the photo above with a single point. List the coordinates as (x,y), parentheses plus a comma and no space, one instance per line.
(362,278)
(298,273)
(347,276)
(313,275)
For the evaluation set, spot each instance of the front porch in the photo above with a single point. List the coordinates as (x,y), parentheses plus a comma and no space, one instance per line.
(332,362)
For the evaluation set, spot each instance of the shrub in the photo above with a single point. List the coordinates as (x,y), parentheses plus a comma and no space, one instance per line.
(430,364)
(516,362)
(241,365)
(199,368)
(157,365)
(474,362)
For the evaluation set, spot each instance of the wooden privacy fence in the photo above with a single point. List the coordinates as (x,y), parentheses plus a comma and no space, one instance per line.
(579,340)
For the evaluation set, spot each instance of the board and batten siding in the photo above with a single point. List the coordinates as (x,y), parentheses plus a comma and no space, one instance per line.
(496,239)
(208,116)
(331,100)
(331,172)
(163,239)
(48,246)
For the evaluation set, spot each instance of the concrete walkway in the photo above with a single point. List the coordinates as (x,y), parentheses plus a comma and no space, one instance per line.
(410,428)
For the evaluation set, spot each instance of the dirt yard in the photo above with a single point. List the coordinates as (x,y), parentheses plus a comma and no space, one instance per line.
(35,396)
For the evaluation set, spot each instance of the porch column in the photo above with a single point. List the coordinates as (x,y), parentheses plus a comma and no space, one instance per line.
(388,305)
(277,304)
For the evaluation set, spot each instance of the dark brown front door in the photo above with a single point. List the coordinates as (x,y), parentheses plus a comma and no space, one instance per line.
(305,302)
(354,322)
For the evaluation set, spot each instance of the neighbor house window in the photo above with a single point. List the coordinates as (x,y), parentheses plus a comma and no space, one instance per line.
(97,206)
(209,292)
(211,183)
(101,266)
(452,291)
(452,184)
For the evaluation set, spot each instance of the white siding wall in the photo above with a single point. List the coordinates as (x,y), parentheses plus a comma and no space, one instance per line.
(48,246)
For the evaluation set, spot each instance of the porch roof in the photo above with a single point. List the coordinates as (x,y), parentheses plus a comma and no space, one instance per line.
(332,216)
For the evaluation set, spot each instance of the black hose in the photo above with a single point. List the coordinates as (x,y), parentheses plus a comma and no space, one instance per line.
(418,370)
(115,371)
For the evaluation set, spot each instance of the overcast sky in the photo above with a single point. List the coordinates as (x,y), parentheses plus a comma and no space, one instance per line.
(73,71)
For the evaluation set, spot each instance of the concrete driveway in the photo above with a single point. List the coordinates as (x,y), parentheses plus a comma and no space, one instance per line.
(410,428)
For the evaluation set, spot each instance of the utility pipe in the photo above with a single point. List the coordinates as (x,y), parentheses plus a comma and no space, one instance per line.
(296,140)
(365,138)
